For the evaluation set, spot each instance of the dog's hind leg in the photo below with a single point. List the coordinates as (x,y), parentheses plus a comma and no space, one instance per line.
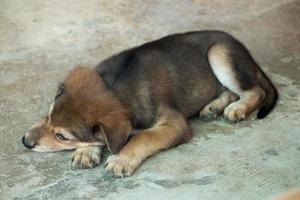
(235,69)
(169,130)
(217,106)
(249,101)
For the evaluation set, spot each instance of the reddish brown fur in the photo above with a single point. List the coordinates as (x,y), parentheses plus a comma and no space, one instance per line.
(84,103)
(87,100)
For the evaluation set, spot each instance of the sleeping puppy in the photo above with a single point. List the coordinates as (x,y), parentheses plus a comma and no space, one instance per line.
(153,88)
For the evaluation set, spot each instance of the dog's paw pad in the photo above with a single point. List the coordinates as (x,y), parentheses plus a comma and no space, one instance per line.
(86,157)
(235,112)
(121,165)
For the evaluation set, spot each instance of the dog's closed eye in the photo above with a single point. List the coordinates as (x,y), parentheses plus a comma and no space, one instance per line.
(61,137)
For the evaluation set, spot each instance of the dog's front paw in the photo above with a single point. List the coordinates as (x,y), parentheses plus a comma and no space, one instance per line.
(86,157)
(121,165)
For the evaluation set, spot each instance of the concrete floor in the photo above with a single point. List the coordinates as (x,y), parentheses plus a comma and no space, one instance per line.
(41,40)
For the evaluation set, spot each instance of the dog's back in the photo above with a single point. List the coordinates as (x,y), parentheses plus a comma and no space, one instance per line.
(174,70)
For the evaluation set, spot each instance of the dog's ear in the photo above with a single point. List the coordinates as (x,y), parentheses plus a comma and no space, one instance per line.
(114,137)
(60,91)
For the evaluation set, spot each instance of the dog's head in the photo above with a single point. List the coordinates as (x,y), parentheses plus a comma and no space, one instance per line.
(83,113)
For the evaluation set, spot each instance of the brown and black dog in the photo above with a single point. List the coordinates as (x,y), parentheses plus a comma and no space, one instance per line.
(153,88)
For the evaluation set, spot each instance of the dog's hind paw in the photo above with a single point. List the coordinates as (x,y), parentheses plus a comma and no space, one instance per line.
(121,165)
(235,112)
(86,157)
(209,112)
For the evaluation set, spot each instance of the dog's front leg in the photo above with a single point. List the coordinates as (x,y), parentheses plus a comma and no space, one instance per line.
(87,157)
(170,129)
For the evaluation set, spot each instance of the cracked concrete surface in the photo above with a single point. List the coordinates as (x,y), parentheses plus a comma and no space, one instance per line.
(41,40)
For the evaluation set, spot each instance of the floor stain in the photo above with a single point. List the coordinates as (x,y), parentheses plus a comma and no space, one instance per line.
(272,152)
(168,183)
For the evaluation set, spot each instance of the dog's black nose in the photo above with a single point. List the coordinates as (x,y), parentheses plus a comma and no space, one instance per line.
(27,143)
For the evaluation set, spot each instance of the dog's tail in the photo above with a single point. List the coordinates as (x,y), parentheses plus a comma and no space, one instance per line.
(271,95)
